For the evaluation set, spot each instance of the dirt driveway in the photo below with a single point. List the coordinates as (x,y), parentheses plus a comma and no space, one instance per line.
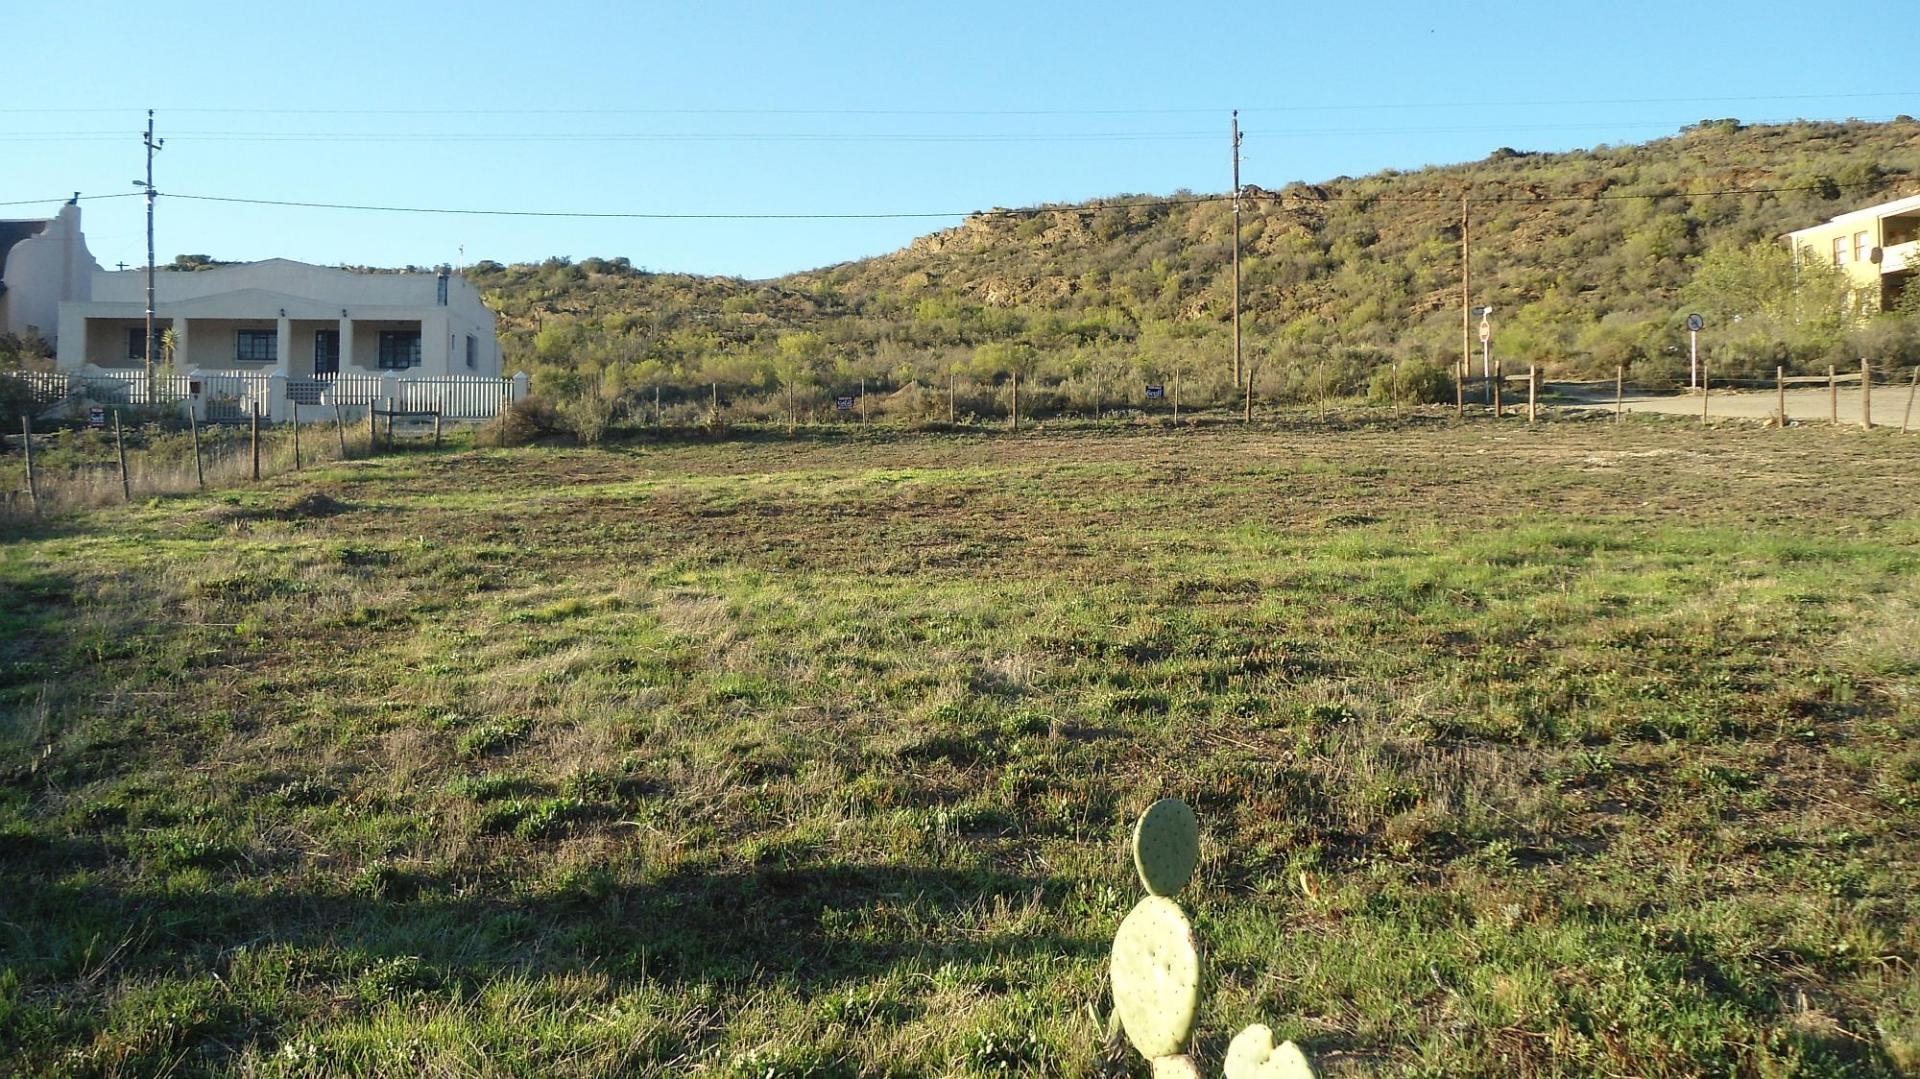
(1804,404)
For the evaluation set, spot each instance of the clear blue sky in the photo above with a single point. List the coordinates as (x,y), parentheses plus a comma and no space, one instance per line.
(846,108)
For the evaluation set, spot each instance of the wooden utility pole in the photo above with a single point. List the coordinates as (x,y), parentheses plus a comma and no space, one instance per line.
(1866,394)
(1236,246)
(120,450)
(153,146)
(1466,304)
(33,486)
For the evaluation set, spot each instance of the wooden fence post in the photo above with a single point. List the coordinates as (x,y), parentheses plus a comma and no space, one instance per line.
(33,486)
(656,405)
(1533,383)
(392,406)
(1619,391)
(120,450)
(255,440)
(863,402)
(199,469)
(1833,398)
(1016,400)
(1460,390)
(295,407)
(1706,390)
(436,428)
(1249,415)
(1780,390)
(950,380)
(1499,384)
(1911,388)
(340,428)
(1866,395)
(373,426)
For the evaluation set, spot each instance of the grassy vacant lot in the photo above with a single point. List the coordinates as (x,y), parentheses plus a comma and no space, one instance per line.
(1568,751)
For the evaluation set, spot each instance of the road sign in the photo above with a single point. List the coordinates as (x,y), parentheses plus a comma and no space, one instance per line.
(1486,331)
(96,417)
(1695,323)
(1154,393)
(843,404)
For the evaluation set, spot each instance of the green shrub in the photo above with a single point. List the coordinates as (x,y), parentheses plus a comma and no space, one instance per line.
(1415,382)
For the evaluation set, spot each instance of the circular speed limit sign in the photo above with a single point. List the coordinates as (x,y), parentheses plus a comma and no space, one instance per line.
(1695,322)
(1486,331)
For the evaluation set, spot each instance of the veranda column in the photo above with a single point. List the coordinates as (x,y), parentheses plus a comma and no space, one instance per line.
(346,343)
(283,344)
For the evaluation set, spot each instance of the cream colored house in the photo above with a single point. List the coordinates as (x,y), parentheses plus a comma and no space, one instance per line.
(1878,247)
(287,318)
(43,263)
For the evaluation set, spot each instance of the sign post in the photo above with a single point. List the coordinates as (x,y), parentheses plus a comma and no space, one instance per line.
(1486,348)
(1694,324)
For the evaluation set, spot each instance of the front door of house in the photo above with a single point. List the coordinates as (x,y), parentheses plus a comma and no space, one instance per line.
(326,353)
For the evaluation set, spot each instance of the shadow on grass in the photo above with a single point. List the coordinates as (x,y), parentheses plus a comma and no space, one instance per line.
(804,927)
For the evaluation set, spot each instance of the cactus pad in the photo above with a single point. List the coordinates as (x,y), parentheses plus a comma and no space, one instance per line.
(1254,1056)
(1180,1067)
(1156,977)
(1166,846)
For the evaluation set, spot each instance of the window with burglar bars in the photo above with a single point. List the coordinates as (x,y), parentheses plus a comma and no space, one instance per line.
(136,346)
(256,346)
(399,349)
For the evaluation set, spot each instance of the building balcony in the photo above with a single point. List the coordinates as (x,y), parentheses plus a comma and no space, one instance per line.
(1900,257)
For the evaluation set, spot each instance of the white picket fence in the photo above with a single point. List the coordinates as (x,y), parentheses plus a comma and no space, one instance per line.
(235,395)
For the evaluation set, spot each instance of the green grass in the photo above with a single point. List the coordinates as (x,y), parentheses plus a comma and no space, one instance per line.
(1567,751)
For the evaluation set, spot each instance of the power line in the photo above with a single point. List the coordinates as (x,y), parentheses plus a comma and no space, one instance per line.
(1133,111)
(73,198)
(865,137)
(1297,201)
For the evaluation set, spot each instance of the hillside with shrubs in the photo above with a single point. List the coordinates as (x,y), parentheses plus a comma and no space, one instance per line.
(1591,259)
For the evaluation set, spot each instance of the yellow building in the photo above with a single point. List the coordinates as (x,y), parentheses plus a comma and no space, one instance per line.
(1878,246)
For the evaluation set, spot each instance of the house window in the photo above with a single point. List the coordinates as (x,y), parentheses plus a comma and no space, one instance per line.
(136,347)
(473,351)
(326,352)
(256,346)
(1862,247)
(1839,250)
(399,349)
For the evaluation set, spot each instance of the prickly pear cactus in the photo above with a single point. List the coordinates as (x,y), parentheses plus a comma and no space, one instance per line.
(1254,1056)
(1156,978)
(1180,1067)
(1166,846)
